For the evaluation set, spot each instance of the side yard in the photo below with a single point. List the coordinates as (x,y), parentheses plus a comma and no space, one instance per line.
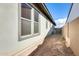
(53,46)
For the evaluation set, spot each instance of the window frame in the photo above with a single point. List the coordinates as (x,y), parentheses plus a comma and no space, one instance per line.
(32,24)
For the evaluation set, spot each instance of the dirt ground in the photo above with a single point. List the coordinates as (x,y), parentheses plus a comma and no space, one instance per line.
(53,46)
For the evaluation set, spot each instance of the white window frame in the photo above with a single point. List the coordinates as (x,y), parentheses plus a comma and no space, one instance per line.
(32,24)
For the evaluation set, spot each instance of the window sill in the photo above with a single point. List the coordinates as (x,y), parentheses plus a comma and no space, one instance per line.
(28,36)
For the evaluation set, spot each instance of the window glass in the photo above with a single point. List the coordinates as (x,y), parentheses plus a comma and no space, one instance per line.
(25,11)
(25,27)
(36,27)
(36,15)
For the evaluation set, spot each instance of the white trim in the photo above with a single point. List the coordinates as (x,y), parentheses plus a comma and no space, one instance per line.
(26,19)
(19,21)
(25,36)
(32,24)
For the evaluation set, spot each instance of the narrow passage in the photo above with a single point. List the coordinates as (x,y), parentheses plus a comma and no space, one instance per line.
(53,46)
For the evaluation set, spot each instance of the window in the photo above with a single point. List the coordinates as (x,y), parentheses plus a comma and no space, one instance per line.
(36,22)
(29,24)
(36,16)
(25,19)
(25,27)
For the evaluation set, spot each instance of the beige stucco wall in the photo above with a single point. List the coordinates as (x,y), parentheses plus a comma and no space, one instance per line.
(74,35)
(65,32)
(72,28)
(9,44)
(73,40)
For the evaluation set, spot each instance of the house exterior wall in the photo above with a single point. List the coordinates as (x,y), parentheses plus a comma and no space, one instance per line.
(65,32)
(71,30)
(9,44)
